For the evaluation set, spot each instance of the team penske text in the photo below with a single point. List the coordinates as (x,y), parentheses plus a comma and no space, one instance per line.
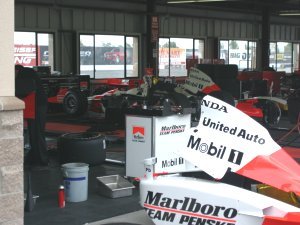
(188,210)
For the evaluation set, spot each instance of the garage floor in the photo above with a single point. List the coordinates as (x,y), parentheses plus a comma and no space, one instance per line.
(46,180)
(99,209)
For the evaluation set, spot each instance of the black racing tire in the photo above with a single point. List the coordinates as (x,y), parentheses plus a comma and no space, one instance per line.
(75,103)
(271,113)
(85,147)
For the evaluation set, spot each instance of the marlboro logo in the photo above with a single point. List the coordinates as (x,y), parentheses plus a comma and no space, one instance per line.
(188,211)
(138,134)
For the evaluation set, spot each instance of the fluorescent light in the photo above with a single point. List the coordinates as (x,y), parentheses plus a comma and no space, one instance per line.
(290,13)
(189,1)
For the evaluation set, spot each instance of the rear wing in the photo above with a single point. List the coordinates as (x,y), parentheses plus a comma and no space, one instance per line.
(226,138)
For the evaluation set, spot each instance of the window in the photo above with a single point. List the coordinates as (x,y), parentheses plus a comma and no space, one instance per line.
(173,53)
(241,53)
(33,49)
(109,56)
(284,56)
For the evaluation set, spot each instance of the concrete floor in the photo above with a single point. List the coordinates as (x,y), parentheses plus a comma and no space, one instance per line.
(46,180)
(98,209)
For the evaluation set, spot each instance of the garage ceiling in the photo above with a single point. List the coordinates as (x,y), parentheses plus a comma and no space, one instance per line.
(275,6)
(247,6)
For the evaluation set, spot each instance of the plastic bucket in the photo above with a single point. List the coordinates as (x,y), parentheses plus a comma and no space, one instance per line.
(75,176)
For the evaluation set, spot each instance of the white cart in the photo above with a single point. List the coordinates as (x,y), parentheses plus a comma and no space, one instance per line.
(155,136)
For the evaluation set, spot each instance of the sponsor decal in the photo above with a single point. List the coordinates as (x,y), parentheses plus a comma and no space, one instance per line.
(194,84)
(240,133)
(199,78)
(138,134)
(25,55)
(187,210)
(172,162)
(213,105)
(174,129)
(211,149)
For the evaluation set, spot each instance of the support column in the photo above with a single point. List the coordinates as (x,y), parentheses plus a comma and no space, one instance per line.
(152,36)
(11,126)
(265,45)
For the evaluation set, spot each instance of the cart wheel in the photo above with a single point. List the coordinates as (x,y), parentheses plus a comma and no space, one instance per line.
(75,103)
(271,113)
(85,147)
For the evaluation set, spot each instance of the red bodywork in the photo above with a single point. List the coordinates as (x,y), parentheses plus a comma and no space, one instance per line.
(29,111)
(248,107)
(59,97)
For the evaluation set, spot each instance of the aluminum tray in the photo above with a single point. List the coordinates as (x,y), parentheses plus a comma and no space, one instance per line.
(114,186)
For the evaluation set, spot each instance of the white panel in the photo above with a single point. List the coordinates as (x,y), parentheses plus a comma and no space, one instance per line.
(89,20)
(43,18)
(78,19)
(30,17)
(139,138)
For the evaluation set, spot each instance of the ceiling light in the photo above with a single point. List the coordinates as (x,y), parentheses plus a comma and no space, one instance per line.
(190,1)
(290,13)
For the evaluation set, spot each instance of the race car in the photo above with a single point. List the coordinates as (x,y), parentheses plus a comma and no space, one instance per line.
(225,141)
(153,91)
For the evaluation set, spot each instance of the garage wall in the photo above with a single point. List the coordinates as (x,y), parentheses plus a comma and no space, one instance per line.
(198,27)
(67,21)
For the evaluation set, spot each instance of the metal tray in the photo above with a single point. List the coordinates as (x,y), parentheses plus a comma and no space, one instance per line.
(114,186)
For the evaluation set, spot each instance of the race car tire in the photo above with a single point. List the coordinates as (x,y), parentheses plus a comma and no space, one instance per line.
(75,103)
(271,113)
(85,147)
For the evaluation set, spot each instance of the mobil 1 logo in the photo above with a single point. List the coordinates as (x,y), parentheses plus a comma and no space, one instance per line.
(219,152)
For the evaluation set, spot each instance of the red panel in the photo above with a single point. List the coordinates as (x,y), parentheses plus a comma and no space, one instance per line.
(29,111)
(288,219)
(278,170)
